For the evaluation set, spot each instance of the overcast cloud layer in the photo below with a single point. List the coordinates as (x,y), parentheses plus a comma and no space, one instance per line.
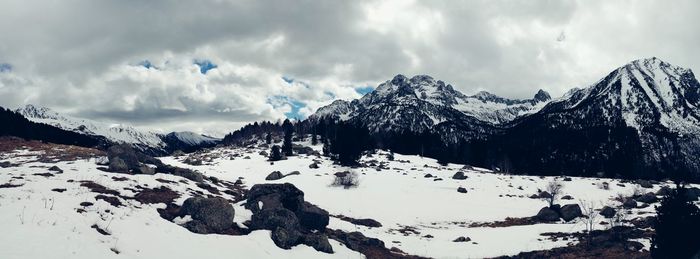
(135,61)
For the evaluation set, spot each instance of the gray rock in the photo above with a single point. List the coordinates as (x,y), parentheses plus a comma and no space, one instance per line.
(56,169)
(459,176)
(144,169)
(313,165)
(644,183)
(462,190)
(118,165)
(285,238)
(663,191)
(312,217)
(570,211)
(284,195)
(608,212)
(462,239)
(276,175)
(318,242)
(547,214)
(648,198)
(629,203)
(274,218)
(215,213)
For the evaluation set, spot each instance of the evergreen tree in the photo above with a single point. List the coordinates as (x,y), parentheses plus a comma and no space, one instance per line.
(314,139)
(268,138)
(676,227)
(288,132)
(326,147)
(275,153)
(349,143)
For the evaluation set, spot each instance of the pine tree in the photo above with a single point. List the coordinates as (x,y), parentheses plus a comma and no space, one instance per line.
(275,153)
(268,139)
(288,132)
(677,224)
(314,139)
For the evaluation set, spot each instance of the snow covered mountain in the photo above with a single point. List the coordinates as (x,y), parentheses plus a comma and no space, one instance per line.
(642,94)
(421,104)
(642,119)
(118,133)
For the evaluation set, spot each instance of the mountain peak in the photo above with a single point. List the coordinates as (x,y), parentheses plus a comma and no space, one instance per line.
(542,96)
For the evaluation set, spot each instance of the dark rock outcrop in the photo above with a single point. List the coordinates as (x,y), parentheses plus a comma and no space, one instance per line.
(570,211)
(209,215)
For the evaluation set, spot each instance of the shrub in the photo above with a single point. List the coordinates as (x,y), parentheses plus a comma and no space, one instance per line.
(346,179)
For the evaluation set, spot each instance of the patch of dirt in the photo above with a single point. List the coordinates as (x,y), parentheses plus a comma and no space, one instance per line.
(119,179)
(406,230)
(165,181)
(362,222)
(209,188)
(49,152)
(95,187)
(157,195)
(45,174)
(372,248)
(114,201)
(508,222)
(58,189)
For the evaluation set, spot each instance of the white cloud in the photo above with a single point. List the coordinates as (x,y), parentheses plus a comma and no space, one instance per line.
(81,57)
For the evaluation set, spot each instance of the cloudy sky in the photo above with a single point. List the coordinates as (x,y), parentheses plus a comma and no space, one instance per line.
(211,66)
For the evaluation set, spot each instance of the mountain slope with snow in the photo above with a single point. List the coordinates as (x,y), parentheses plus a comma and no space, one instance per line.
(423,104)
(156,142)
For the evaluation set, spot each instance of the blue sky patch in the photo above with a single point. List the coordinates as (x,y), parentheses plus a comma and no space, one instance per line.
(279,100)
(364,89)
(287,79)
(5,67)
(147,64)
(204,65)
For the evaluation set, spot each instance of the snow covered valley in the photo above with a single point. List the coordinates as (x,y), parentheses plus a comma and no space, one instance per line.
(60,202)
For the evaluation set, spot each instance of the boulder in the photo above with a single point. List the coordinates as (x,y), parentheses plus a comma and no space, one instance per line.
(215,213)
(274,196)
(608,212)
(312,217)
(117,165)
(663,191)
(124,152)
(629,203)
(276,175)
(428,176)
(547,214)
(544,195)
(274,218)
(459,176)
(462,239)
(56,169)
(570,211)
(285,238)
(313,165)
(693,194)
(567,179)
(462,190)
(144,169)
(318,242)
(644,183)
(567,197)
(648,198)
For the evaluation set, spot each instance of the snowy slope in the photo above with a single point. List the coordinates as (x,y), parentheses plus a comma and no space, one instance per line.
(192,138)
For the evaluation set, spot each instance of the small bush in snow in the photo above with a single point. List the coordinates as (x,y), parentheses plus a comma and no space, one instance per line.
(346,179)
(554,188)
